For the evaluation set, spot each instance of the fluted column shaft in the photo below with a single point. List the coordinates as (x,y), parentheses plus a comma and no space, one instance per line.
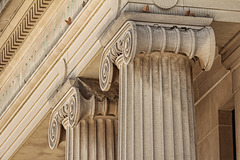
(156,112)
(89,117)
(94,139)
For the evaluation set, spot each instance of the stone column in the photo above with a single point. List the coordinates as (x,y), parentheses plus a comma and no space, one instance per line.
(92,139)
(89,117)
(156,111)
(237,122)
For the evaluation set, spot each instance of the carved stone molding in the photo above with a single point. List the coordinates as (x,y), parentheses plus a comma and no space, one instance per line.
(83,101)
(165,4)
(156,111)
(68,109)
(138,38)
(22,30)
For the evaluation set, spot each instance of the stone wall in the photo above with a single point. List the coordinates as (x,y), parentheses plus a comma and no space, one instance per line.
(213,95)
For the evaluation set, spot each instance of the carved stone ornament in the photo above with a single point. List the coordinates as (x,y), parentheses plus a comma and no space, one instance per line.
(138,38)
(22,30)
(69,108)
(83,101)
(165,4)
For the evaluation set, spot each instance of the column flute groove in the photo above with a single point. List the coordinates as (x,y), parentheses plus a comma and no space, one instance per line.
(173,110)
(142,109)
(133,113)
(152,104)
(185,106)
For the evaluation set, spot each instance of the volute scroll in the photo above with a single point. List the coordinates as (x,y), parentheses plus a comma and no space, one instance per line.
(83,101)
(138,38)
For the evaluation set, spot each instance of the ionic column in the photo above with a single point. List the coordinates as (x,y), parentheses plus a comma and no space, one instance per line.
(92,139)
(89,118)
(156,111)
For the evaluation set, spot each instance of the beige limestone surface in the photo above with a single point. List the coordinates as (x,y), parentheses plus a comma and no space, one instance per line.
(36,146)
(81,48)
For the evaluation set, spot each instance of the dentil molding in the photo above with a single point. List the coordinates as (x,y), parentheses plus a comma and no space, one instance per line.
(144,38)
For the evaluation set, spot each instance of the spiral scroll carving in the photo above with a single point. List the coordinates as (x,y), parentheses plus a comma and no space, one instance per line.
(122,48)
(128,54)
(83,101)
(70,110)
(62,113)
(74,111)
(106,72)
(54,132)
(137,38)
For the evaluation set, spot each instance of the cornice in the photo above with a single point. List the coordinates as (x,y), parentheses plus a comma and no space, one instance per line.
(52,62)
(230,53)
(22,30)
(135,38)
(10,15)
(3,5)
(164,19)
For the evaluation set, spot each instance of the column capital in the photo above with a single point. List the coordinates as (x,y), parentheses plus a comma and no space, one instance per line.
(81,102)
(136,38)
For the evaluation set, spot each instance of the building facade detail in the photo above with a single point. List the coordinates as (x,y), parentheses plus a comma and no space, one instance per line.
(37,52)
(119,79)
(21,32)
(135,39)
(88,118)
(165,4)
(156,110)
